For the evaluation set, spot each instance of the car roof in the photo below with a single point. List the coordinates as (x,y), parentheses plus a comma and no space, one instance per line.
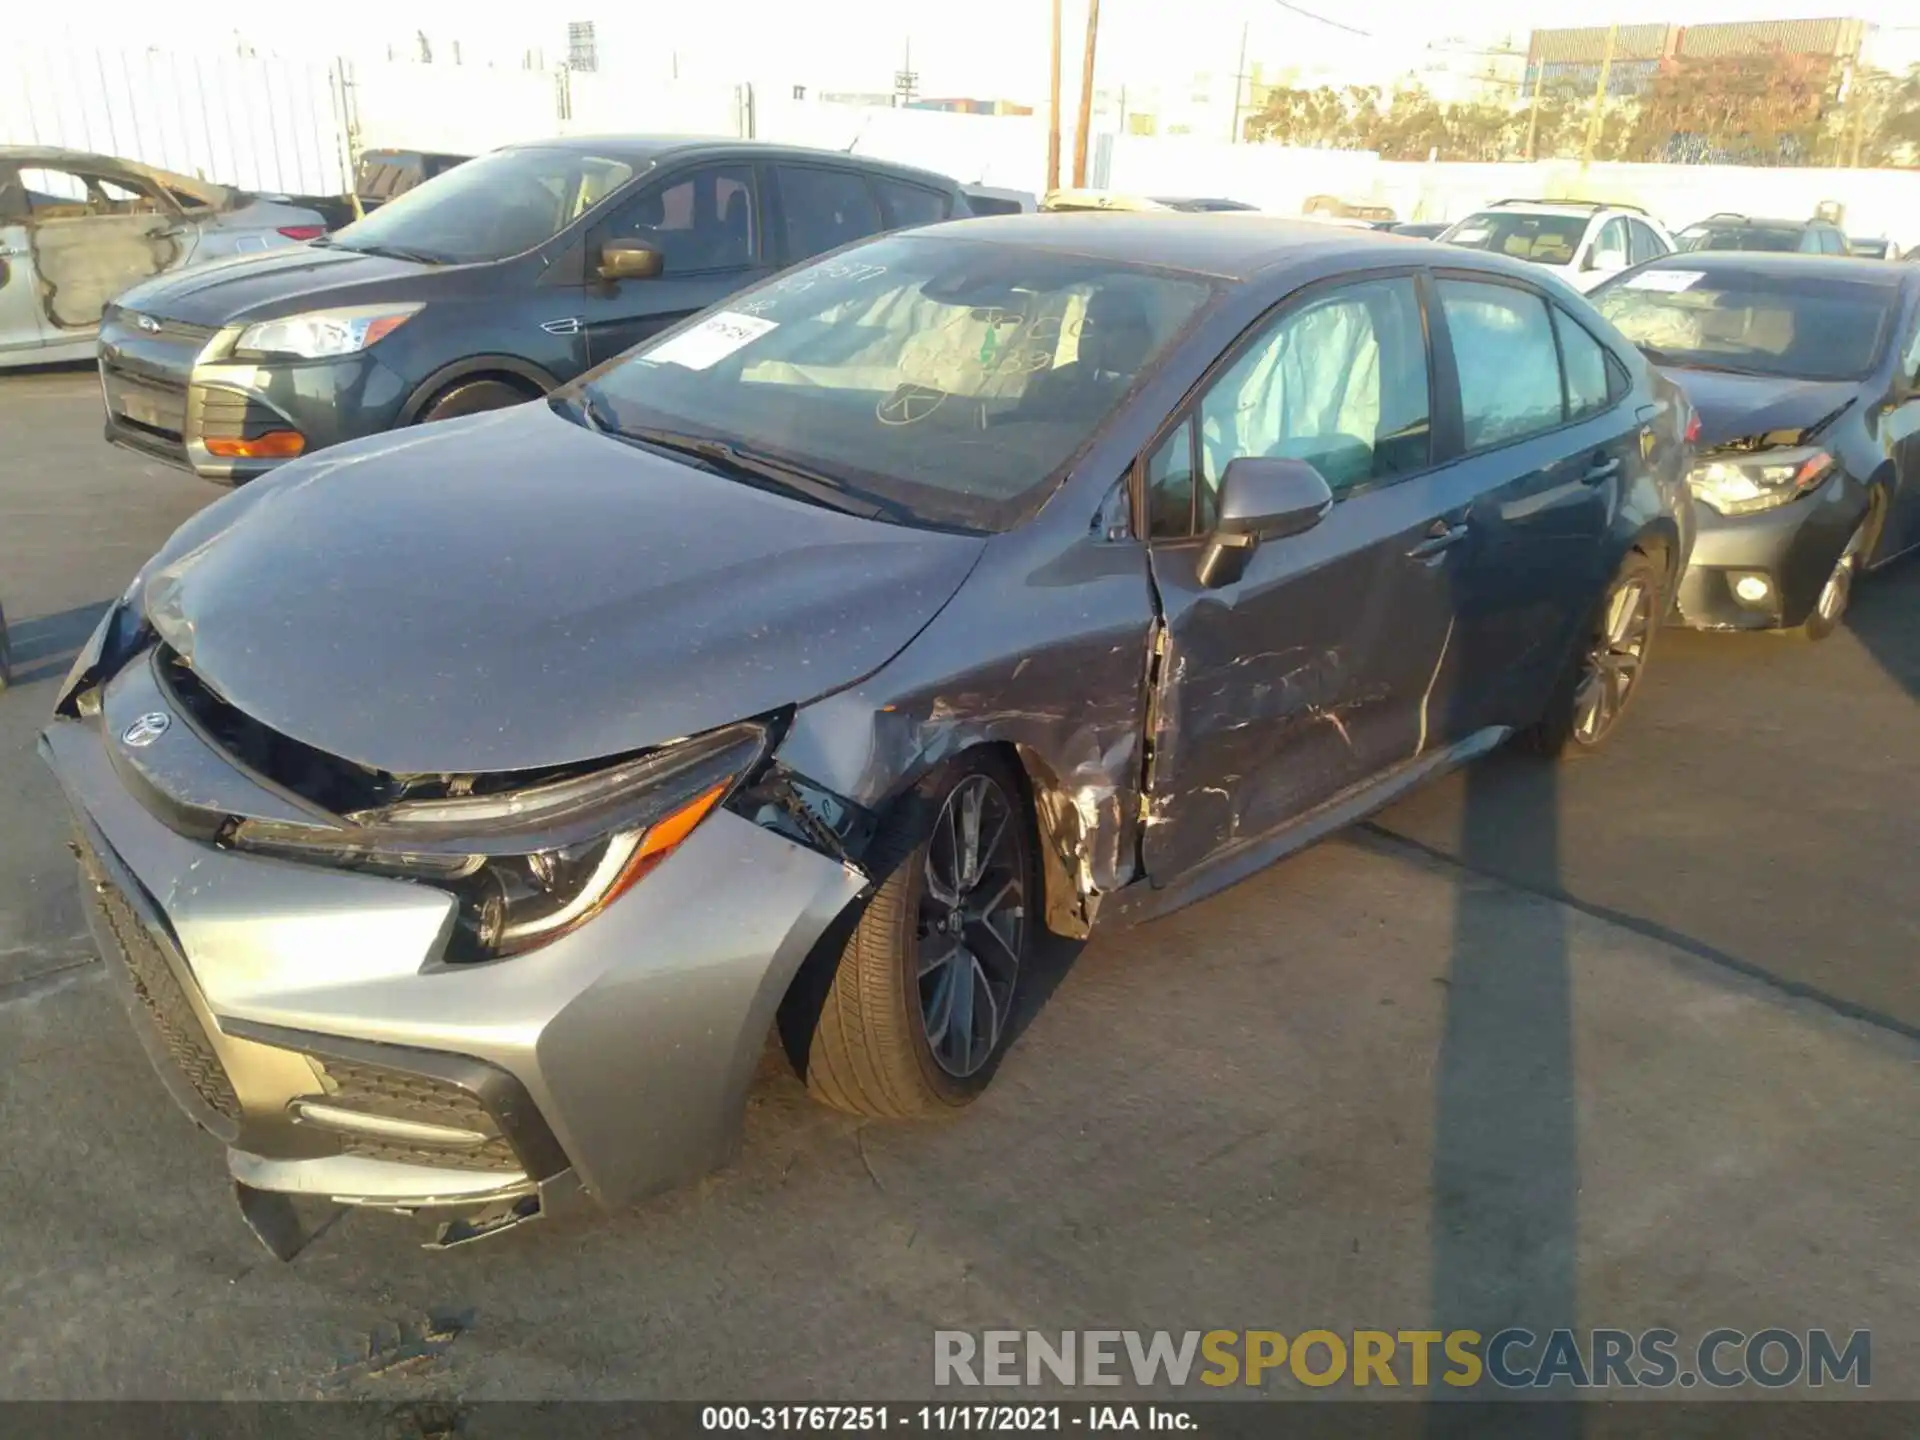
(1572,209)
(1755,222)
(57,155)
(647,149)
(1228,245)
(1774,263)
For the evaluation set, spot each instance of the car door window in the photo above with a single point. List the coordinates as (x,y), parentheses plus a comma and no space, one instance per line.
(1646,245)
(1170,490)
(1610,248)
(1339,381)
(71,194)
(910,204)
(1504,351)
(703,220)
(824,209)
(1591,387)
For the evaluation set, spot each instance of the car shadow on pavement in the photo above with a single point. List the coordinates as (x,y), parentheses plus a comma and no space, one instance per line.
(1505,1177)
(1881,618)
(44,647)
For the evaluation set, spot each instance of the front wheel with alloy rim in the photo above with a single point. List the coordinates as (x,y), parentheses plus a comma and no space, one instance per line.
(1607,665)
(915,1019)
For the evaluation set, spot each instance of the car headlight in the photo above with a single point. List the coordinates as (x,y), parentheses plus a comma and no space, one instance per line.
(320,334)
(528,865)
(1743,484)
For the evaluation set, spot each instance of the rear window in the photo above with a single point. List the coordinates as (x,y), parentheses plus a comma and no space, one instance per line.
(1544,239)
(1804,327)
(1741,237)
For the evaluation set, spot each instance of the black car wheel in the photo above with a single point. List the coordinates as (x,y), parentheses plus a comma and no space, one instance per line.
(470,397)
(1604,672)
(1837,593)
(915,1021)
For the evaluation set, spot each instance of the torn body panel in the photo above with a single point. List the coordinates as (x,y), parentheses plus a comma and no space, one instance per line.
(1047,656)
(85,261)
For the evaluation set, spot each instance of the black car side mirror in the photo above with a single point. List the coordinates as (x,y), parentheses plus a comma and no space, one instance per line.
(630,260)
(1260,499)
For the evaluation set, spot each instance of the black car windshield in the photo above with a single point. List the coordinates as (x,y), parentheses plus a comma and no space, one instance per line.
(1543,239)
(487,209)
(1739,237)
(1808,327)
(946,378)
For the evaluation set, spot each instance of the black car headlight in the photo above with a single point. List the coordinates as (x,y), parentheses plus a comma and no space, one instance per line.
(529,865)
(1743,484)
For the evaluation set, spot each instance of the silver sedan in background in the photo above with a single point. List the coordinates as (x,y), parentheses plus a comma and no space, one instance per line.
(77,229)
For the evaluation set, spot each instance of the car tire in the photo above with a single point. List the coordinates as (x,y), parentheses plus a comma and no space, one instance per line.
(1830,606)
(470,397)
(899,1036)
(1604,672)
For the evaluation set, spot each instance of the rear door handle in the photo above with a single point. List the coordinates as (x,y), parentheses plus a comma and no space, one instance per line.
(1602,470)
(1440,536)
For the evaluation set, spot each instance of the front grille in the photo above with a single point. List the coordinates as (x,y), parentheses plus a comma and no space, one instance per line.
(162,999)
(400,1095)
(147,404)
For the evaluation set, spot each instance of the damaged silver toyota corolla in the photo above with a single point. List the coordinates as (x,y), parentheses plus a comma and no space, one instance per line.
(462,808)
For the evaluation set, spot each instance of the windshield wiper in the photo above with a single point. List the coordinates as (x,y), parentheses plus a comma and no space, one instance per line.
(395,252)
(754,468)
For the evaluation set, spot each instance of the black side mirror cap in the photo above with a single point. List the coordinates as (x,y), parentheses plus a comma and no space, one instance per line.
(630,260)
(1261,498)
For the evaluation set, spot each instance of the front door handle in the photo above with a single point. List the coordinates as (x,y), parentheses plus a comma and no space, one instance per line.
(1601,470)
(1440,537)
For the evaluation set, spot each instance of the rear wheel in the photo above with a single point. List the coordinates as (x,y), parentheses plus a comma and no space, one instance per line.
(915,1020)
(470,397)
(1603,674)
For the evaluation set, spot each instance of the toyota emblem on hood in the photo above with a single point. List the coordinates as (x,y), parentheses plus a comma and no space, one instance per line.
(147,729)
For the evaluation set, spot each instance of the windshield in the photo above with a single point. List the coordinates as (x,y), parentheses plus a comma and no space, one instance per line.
(1803,327)
(487,209)
(1739,237)
(1544,239)
(947,378)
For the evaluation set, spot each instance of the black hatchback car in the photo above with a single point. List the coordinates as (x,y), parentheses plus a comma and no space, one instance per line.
(488,285)
(1805,373)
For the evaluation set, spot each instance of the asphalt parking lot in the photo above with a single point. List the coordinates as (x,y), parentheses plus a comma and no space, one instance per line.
(1627,1043)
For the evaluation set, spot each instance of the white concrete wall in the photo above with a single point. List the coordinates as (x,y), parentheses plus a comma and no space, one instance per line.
(1005,150)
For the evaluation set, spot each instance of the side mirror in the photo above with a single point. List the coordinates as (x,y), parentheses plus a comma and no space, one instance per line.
(630,260)
(1260,499)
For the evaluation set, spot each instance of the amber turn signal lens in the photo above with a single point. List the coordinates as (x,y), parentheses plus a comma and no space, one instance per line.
(274,445)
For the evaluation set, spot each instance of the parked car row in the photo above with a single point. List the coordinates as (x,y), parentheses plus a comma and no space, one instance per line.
(870,596)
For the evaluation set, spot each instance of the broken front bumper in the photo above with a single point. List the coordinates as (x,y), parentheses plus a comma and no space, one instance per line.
(305,1017)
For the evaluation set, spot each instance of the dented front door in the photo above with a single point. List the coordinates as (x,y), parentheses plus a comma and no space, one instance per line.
(1309,674)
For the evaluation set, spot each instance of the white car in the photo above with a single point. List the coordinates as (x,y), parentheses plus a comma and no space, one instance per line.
(1585,241)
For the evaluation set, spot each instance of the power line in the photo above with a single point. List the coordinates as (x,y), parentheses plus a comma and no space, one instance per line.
(1336,24)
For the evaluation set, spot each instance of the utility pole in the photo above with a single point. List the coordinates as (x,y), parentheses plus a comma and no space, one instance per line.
(1080,134)
(1239,85)
(1533,111)
(1053,121)
(1595,120)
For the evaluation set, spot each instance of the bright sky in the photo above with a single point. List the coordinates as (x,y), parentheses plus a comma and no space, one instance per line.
(960,47)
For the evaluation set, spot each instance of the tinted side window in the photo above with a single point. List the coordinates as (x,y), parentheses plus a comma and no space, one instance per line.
(1834,242)
(1590,384)
(1509,369)
(824,208)
(701,221)
(1611,246)
(910,204)
(1170,486)
(1646,244)
(1340,381)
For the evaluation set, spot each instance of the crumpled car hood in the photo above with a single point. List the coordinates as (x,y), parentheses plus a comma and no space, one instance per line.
(510,591)
(1733,407)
